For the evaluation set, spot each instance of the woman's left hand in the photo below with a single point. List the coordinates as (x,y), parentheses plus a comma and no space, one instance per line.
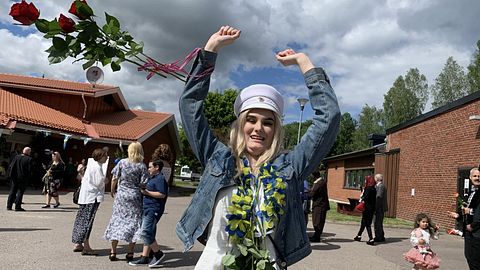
(289,57)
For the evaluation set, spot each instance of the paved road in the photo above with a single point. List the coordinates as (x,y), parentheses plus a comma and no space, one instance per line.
(41,239)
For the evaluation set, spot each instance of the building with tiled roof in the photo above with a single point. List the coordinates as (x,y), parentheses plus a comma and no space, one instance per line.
(74,118)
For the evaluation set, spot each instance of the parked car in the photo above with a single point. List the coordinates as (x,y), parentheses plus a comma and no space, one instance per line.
(187,174)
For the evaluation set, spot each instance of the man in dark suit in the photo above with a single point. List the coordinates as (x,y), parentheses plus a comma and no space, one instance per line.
(471,216)
(381,207)
(19,172)
(320,205)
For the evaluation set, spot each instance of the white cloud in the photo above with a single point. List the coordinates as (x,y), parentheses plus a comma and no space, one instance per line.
(363,45)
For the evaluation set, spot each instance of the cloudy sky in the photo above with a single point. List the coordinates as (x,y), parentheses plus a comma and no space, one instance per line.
(363,45)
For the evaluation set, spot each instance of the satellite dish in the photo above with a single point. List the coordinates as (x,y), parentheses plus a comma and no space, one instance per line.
(94,75)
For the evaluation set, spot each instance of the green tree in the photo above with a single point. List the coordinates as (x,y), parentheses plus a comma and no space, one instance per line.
(473,75)
(290,133)
(344,142)
(218,110)
(370,121)
(451,84)
(406,99)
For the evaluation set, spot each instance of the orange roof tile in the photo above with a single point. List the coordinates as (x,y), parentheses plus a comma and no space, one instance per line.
(20,81)
(27,111)
(128,125)
(4,119)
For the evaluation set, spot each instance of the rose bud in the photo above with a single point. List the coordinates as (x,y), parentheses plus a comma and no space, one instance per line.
(73,10)
(67,24)
(24,13)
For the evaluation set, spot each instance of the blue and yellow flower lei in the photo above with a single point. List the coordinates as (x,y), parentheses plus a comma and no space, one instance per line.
(249,219)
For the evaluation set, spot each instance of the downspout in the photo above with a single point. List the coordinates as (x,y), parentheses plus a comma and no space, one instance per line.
(85,106)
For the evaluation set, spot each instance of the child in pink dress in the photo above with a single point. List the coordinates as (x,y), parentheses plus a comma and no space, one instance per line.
(421,255)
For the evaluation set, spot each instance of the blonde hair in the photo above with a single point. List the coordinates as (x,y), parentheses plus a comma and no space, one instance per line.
(135,152)
(238,145)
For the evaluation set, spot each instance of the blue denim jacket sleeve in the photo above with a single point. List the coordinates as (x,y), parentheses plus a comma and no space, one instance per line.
(199,135)
(320,136)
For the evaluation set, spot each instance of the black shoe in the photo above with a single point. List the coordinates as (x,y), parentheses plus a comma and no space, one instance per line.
(371,242)
(56,205)
(9,208)
(357,238)
(46,206)
(314,239)
(19,209)
(379,239)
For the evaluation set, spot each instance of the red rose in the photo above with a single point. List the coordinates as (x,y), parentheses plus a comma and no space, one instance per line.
(24,13)
(73,10)
(67,24)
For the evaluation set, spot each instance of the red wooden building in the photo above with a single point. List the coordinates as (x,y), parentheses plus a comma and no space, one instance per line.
(75,118)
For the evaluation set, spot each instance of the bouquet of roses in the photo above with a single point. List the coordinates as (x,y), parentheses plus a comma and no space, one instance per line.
(84,40)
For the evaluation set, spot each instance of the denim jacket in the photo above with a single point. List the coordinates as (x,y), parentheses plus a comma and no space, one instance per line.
(290,240)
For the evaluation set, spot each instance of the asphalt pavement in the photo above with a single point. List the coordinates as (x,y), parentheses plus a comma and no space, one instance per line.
(41,239)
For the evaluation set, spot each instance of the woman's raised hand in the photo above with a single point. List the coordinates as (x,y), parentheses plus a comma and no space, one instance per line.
(226,35)
(289,57)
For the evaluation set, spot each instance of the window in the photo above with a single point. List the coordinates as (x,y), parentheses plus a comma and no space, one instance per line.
(354,178)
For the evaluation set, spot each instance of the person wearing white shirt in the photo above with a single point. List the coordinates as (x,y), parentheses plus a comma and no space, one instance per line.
(91,195)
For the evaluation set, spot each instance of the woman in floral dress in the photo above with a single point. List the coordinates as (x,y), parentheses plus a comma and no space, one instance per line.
(126,220)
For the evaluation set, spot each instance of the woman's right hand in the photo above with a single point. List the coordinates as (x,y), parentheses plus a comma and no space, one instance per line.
(226,35)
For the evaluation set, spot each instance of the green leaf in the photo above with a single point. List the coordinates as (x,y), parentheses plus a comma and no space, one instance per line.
(248,242)
(105,61)
(115,66)
(255,253)
(242,249)
(54,27)
(59,43)
(228,260)
(42,25)
(56,56)
(83,9)
(112,21)
(106,29)
(261,264)
(109,51)
(88,64)
(126,36)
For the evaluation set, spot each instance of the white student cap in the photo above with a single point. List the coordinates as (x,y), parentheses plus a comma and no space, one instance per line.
(259,96)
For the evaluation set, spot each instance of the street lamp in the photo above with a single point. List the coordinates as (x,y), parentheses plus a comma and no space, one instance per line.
(302,102)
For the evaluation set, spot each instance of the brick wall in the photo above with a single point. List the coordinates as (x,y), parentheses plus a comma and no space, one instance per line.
(430,154)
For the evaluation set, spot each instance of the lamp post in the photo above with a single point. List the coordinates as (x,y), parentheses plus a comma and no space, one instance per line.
(302,102)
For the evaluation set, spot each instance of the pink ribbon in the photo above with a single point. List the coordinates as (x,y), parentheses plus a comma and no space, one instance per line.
(173,68)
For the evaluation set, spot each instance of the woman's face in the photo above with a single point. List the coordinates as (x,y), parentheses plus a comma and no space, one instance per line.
(258,131)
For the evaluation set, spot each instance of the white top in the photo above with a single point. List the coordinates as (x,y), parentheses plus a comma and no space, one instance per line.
(418,234)
(217,243)
(93,184)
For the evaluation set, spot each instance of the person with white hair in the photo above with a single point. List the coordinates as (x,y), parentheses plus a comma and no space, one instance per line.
(381,206)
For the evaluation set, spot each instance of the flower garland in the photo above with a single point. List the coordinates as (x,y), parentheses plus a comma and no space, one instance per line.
(252,216)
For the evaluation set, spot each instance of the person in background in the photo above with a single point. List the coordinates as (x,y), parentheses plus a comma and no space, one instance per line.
(320,205)
(56,169)
(125,223)
(155,194)
(91,195)
(82,166)
(307,203)
(19,172)
(381,206)
(471,216)
(70,172)
(421,254)
(368,196)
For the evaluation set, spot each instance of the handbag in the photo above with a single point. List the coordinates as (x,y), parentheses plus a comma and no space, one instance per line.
(76,194)
(46,178)
(360,207)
